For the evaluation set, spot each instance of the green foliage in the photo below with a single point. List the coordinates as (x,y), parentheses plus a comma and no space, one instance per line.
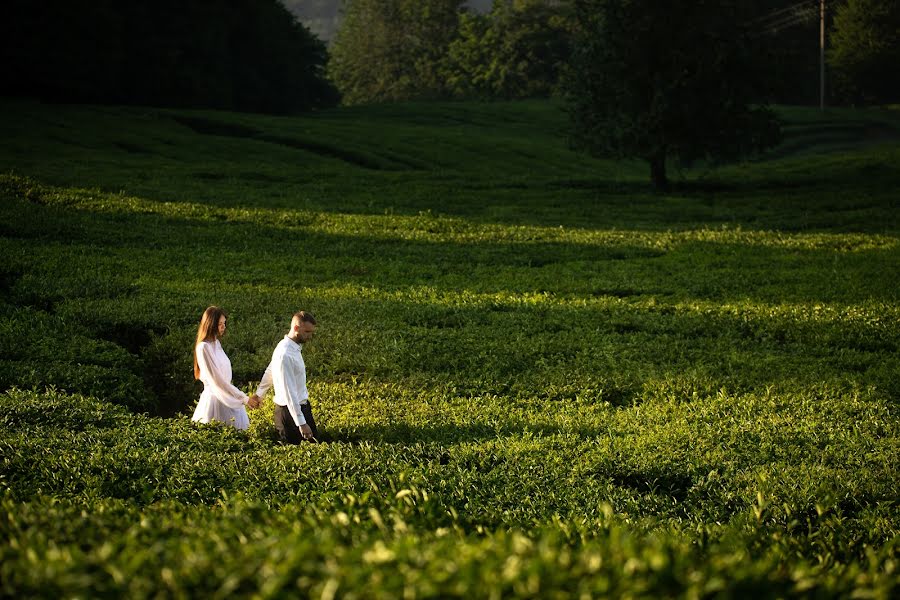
(864,50)
(539,378)
(400,50)
(389,50)
(656,81)
(518,50)
(249,55)
(648,504)
(241,548)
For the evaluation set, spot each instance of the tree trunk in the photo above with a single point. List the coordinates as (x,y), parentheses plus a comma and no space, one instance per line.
(658,172)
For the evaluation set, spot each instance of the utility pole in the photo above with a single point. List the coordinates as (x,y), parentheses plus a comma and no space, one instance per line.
(822,55)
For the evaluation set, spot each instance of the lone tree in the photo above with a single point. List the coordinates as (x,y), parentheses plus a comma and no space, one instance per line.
(658,80)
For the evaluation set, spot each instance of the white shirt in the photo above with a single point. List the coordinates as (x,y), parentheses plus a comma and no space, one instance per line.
(287,374)
(220,401)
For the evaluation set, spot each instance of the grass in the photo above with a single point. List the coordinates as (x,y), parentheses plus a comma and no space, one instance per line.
(540,377)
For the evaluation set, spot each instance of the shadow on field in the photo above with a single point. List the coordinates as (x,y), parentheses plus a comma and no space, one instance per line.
(378,162)
(404,433)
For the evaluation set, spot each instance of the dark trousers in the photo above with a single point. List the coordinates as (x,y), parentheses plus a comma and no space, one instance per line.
(288,431)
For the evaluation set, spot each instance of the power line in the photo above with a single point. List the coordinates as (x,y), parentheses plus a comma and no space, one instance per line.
(782,18)
(788,22)
(779,12)
(802,12)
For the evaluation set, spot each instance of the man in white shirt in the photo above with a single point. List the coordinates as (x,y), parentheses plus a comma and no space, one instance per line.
(286,373)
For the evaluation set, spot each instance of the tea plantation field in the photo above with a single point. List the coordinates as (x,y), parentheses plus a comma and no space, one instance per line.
(540,379)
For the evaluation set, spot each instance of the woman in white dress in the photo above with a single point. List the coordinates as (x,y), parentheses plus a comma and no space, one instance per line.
(220,400)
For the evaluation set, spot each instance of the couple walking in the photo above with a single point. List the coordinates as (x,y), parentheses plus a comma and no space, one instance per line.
(286,373)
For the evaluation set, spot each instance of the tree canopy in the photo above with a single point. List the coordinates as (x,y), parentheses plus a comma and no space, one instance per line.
(249,55)
(518,50)
(387,50)
(659,80)
(865,50)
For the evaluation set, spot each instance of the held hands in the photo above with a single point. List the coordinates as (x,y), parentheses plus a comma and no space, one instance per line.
(254,402)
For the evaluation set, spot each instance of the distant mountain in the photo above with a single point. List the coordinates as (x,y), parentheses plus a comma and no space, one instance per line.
(322,17)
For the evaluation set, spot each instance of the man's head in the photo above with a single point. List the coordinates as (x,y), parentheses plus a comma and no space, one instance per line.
(303,326)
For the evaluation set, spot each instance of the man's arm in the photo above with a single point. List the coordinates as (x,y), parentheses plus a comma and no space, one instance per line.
(265,384)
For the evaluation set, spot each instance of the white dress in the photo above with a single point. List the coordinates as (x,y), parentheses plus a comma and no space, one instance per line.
(220,401)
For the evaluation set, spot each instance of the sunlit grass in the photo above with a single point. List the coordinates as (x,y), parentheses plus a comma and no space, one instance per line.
(539,377)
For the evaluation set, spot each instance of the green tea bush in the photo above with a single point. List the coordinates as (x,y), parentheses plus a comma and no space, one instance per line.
(244,548)
(387,518)
(38,349)
(538,379)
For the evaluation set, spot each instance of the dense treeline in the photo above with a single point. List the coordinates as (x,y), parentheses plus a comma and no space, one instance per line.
(249,55)
(383,50)
(439,49)
(253,55)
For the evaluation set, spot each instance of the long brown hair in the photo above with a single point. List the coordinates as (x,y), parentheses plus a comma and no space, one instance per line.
(208,331)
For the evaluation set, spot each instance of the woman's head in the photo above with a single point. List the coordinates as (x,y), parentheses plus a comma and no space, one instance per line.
(212,327)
